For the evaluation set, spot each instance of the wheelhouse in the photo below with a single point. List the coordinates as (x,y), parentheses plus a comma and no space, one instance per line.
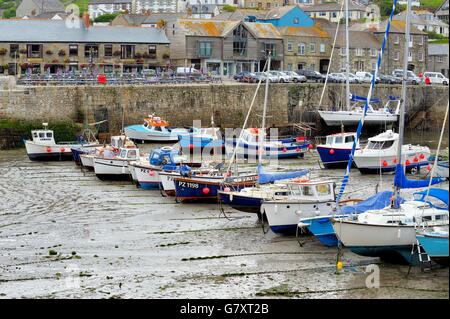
(315,191)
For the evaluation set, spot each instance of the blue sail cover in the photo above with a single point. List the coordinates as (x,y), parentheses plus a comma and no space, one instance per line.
(401,181)
(377,201)
(265,178)
(439,193)
(356,98)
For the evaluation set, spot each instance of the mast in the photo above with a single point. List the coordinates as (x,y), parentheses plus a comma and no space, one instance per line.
(347,59)
(401,127)
(263,123)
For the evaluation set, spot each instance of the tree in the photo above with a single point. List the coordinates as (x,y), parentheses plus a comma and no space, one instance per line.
(9,13)
(386,7)
(107,17)
(229,8)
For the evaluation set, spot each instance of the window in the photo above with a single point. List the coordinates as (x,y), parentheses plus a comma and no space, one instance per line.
(396,55)
(420,56)
(127,51)
(334,14)
(296,21)
(308,191)
(49,135)
(323,189)
(289,46)
(322,14)
(42,135)
(14,50)
(108,50)
(73,49)
(91,50)
(420,40)
(240,36)
(396,39)
(270,47)
(312,47)
(342,51)
(322,47)
(359,65)
(204,49)
(338,139)
(289,66)
(349,139)
(374,52)
(381,145)
(152,51)
(410,56)
(359,52)
(301,48)
(440,59)
(34,50)
(374,65)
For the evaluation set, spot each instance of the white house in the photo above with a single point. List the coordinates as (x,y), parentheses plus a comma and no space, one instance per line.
(425,21)
(99,7)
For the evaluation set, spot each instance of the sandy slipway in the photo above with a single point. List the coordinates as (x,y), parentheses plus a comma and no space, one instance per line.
(66,234)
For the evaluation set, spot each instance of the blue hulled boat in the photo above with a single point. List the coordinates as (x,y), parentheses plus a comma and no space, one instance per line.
(336,150)
(435,242)
(206,138)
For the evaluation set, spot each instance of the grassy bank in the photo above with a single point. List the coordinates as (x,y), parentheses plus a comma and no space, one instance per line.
(13,132)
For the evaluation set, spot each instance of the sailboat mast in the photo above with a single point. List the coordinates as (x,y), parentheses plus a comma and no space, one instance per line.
(401,127)
(263,122)
(347,59)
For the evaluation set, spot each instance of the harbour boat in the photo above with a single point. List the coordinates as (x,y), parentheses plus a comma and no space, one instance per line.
(271,185)
(155,129)
(321,226)
(334,153)
(206,187)
(109,165)
(117,141)
(312,198)
(85,149)
(388,233)
(249,146)
(380,154)
(209,137)
(387,114)
(145,172)
(42,146)
(441,169)
(434,240)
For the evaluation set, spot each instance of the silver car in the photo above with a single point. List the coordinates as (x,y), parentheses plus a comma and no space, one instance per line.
(295,77)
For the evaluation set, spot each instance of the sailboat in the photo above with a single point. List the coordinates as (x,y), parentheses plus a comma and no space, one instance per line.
(353,112)
(390,232)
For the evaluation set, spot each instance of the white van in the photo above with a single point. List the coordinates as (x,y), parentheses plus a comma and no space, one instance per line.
(365,77)
(436,78)
(187,71)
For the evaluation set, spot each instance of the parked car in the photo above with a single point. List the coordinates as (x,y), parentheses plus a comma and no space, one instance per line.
(312,75)
(281,77)
(247,77)
(148,72)
(272,78)
(296,77)
(352,78)
(436,78)
(411,77)
(239,75)
(187,71)
(336,78)
(257,76)
(366,77)
(389,79)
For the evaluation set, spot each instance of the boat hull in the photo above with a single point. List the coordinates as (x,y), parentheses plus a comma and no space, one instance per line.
(39,152)
(78,151)
(139,133)
(352,118)
(289,150)
(337,158)
(435,247)
(322,229)
(87,161)
(111,169)
(145,176)
(245,204)
(282,217)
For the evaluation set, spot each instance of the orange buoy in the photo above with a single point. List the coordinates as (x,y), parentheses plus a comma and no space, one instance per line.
(48,149)
(415,159)
(385,163)
(331,151)
(422,156)
(407,162)
(205,190)
(62,149)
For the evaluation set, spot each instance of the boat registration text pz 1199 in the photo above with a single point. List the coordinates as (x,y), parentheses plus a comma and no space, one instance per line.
(187,184)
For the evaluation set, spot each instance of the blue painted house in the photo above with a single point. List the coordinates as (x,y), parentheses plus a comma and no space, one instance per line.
(287,16)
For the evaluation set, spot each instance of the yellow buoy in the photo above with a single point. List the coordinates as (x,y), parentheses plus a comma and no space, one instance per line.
(339,265)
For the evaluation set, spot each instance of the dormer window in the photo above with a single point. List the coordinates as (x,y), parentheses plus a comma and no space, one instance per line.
(296,21)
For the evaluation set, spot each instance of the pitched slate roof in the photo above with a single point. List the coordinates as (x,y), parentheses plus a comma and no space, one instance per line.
(263,30)
(49,5)
(331,6)
(35,30)
(139,19)
(314,31)
(437,49)
(208,28)
(417,19)
(278,12)
(94,2)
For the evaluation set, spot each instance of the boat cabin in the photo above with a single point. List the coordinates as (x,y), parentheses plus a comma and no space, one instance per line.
(341,140)
(166,156)
(213,132)
(312,190)
(118,141)
(44,136)
(155,123)
(383,141)
(251,135)
(129,153)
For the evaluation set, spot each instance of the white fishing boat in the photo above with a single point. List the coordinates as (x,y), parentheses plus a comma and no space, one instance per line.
(384,115)
(43,147)
(307,198)
(380,154)
(389,232)
(441,169)
(155,129)
(111,166)
(117,141)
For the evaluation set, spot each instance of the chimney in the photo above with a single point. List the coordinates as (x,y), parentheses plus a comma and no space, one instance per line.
(86,20)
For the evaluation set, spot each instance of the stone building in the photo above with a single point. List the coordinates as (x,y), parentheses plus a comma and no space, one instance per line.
(224,47)
(425,21)
(148,20)
(97,8)
(32,8)
(394,50)
(438,58)
(305,48)
(442,12)
(37,46)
